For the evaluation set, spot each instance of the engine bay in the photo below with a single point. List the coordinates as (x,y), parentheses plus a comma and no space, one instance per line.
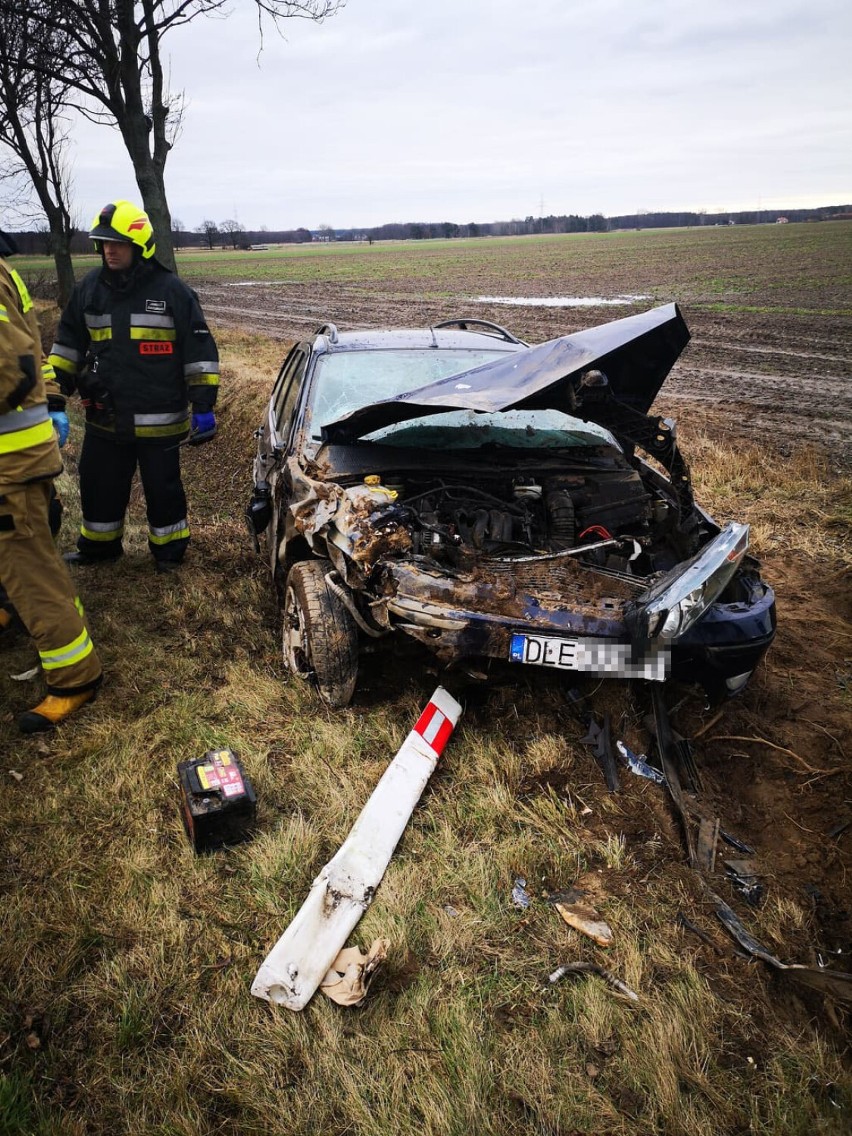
(610,511)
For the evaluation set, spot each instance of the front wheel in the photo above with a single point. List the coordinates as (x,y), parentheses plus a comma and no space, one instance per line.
(320,639)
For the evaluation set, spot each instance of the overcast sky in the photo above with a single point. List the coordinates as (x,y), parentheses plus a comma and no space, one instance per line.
(481,110)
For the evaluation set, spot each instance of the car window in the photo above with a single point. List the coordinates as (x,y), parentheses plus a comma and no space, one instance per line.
(286,391)
(346,380)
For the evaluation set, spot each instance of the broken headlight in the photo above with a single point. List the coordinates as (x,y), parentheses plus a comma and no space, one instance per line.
(677,601)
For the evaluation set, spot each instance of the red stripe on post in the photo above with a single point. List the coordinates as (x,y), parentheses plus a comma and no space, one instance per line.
(434,727)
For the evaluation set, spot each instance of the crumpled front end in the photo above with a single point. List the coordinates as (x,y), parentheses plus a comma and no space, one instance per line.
(509,610)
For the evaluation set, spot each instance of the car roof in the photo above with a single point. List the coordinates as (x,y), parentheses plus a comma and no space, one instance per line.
(329,340)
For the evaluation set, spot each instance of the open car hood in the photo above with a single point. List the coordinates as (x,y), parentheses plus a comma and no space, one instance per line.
(635,353)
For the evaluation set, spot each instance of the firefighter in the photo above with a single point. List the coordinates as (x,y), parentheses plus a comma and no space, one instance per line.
(31,569)
(134,343)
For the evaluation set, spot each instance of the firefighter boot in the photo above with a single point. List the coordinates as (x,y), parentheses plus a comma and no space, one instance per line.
(53,710)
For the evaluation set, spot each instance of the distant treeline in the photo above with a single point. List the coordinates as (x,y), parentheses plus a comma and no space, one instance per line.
(237,237)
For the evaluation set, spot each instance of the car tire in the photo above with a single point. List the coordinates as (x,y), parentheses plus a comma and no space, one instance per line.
(320,637)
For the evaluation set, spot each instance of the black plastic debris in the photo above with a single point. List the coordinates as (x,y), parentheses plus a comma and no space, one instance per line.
(743,875)
(663,731)
(600,739)
(578,704)
(688,925)
(740,845)
(679,750)
(833,983)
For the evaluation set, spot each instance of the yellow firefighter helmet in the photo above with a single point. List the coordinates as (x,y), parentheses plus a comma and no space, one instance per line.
(124,221)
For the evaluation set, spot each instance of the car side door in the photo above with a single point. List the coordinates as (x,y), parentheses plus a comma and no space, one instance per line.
(282,427)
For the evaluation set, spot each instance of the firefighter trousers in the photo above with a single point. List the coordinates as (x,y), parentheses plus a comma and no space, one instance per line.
(106,475)
(39,586)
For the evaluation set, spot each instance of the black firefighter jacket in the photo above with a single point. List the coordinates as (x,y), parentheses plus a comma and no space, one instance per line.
(137,348)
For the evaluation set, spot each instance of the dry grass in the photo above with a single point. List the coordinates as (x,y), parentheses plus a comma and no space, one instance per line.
(126,961)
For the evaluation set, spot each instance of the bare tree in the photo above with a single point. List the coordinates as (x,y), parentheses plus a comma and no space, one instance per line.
(232,229)
(113,61)
(34,130)
(210,231)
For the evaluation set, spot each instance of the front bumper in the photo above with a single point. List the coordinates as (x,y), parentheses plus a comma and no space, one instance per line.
(728,642)
(719,652)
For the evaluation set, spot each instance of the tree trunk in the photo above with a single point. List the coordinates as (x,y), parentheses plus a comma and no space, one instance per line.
(151,187)
(64,267)
(153,190)
(137,128)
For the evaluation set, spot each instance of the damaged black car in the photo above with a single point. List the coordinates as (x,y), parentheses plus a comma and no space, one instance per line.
(498,502)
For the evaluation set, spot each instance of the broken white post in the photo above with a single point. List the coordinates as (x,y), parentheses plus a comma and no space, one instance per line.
(344,889)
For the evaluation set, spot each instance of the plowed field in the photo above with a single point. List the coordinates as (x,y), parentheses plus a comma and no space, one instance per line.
(769,308)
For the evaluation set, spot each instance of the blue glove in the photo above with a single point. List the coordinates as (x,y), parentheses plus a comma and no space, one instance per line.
(61,425)
(203,427)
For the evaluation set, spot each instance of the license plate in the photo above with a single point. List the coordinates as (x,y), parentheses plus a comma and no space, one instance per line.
(594,656)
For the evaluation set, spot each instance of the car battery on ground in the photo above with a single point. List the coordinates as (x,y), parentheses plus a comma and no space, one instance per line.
(219,803)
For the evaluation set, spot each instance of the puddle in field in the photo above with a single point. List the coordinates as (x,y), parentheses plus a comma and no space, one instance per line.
(249,283)
(562,301)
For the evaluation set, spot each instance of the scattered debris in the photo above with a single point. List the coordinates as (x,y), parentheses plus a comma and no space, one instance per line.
(702,935)
(708,838)
(664,744)
(581,916)
(740,845)
(351,973)
(680,748)
(840,827)
(520,896)
(15,775)
(25,676)
(451,911)
(834,983)
(825,1091)
(600,737)
(638,764)
(345,887)
(744,878)
(593,968)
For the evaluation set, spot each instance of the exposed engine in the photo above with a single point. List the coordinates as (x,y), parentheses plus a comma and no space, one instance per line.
(455,522)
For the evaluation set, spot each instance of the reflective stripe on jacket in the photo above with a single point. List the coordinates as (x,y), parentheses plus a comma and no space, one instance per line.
(138,348)
(28,449)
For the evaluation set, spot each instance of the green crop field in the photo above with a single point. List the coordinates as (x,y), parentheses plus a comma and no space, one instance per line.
(768,267)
